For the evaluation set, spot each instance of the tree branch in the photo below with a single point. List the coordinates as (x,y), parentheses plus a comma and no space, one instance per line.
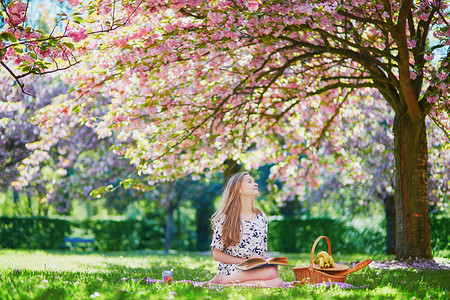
(440,125)
(361,19)
(15,77)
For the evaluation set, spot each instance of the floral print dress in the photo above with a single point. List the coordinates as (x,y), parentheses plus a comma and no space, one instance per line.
(253,241)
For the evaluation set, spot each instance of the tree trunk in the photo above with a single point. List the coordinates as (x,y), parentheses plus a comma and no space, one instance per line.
(168,234)
(204,231)
(411,205)
(15,196)
(389,208)
(232,168)
(30,202)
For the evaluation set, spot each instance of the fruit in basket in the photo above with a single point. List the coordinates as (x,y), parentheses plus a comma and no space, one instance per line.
(324,260)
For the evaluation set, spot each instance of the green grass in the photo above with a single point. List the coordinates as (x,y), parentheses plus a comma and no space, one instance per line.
(78,275)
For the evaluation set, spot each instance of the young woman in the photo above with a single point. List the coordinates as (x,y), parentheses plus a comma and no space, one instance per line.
(240,232)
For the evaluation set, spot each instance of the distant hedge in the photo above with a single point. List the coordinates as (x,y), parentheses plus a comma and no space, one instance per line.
(298,235)
(285,235)
(440,233)
(49,233)
(33,232)
(126,234)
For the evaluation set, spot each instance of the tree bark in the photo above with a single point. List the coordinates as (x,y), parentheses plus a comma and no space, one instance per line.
(389,208)
(232,168)
(168,233)
(204,231)
(411,195)
(15,196)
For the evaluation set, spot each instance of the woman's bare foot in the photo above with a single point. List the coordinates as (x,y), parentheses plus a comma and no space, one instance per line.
(217,279)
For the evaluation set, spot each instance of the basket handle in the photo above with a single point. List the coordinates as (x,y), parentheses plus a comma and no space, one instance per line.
(314,248)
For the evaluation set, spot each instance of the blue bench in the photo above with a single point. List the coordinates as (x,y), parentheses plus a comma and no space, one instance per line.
(77,242)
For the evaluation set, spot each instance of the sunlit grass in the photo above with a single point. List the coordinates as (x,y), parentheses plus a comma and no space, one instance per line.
(120,275)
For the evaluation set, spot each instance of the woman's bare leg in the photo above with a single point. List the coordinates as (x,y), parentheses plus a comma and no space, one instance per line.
(259,274)
(277,282)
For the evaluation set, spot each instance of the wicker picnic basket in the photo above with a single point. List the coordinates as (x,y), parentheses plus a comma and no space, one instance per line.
(311,273)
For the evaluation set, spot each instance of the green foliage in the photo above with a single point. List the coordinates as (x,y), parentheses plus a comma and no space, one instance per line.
(285,235)
(114,235)
(125,234)
(151,234)
(33,232)
(440,233)
(298,235)
(23,204)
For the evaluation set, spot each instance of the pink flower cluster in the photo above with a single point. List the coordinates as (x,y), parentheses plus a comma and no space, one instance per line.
(77,33)
(104,7)
(253,5)
(17,13)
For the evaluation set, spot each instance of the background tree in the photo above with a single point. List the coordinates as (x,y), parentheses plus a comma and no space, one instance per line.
(197,82)
(16,132)
(368,177)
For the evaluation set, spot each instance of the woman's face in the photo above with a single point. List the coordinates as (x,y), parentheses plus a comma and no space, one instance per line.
(248,186)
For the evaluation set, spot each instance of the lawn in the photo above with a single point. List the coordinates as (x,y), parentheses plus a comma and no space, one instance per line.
(121,275)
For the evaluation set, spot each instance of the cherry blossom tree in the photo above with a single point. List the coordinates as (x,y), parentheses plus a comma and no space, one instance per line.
(195,83)
(16,131)
(26,50)
(69,170)
(370,176)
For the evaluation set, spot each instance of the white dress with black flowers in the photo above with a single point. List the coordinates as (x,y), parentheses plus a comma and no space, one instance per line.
(253,241)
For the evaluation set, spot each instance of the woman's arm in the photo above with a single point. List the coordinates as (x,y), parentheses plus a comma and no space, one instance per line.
(221,256)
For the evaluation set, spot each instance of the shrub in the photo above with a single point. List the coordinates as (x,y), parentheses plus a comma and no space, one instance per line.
(285,235)
(33,232)
(298,235)
(440,233)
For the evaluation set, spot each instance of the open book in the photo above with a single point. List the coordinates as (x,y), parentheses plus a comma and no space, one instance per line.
(251,263)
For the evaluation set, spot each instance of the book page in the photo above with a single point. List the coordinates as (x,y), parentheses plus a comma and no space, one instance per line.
(278,260)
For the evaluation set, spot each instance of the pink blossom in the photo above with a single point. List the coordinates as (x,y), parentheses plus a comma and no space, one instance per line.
(172,43)
(413,75)
(424,16)
(169,27)
(433,99)
(10,52)
(17,13)
(73,2)
(429,57)
(442,86)
(104,7)
(214,19)
(412,43)
(202,51)
(252,5)
(77,33)
(42,54)
(442,76)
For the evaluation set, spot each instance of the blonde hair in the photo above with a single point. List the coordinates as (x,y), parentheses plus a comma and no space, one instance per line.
(231,210)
